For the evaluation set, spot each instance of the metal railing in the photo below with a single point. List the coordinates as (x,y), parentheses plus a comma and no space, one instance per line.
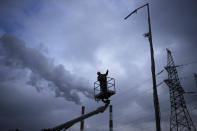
(110,85)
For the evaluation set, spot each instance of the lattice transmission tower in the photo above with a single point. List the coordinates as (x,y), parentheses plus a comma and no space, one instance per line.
(180,119)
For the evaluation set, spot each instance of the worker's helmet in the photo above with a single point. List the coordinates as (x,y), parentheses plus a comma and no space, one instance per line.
(98,73)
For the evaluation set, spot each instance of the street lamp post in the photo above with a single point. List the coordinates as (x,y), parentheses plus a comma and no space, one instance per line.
(155,96)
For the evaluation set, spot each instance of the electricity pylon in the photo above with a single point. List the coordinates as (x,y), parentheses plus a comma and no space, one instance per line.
(180,119)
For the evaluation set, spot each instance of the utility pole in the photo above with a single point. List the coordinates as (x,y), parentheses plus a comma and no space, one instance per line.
(155,95)
(110,118)
(180,119)
(82,121)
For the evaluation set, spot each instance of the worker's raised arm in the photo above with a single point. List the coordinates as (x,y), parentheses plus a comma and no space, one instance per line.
(106,73)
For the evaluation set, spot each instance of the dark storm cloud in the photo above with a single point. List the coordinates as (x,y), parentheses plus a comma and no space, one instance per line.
(15,53)
(82,30)
(24,108)
(175,22)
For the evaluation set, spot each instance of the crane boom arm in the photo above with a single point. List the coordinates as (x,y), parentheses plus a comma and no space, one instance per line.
(83,117)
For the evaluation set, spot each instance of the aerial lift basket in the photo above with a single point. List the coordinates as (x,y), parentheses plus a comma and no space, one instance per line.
(99,95)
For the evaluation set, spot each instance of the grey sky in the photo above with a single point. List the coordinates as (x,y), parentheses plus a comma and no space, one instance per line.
(47,44)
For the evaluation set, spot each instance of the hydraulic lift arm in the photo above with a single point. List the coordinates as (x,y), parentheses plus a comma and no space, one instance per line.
(78,119)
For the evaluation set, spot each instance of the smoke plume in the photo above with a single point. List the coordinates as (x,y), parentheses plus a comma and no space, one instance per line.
(44,73)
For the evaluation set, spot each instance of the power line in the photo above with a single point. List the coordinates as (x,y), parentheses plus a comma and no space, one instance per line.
(138,85)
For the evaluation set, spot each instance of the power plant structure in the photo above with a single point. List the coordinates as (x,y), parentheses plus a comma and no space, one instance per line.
(82,122)
(110,118)
(180,119)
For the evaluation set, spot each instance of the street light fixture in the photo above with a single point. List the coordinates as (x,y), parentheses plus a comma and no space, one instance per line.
(155,96)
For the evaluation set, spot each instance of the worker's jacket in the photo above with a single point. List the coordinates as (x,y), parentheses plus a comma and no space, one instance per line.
(102,78)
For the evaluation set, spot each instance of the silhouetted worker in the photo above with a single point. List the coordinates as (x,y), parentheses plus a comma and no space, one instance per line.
(102,78)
